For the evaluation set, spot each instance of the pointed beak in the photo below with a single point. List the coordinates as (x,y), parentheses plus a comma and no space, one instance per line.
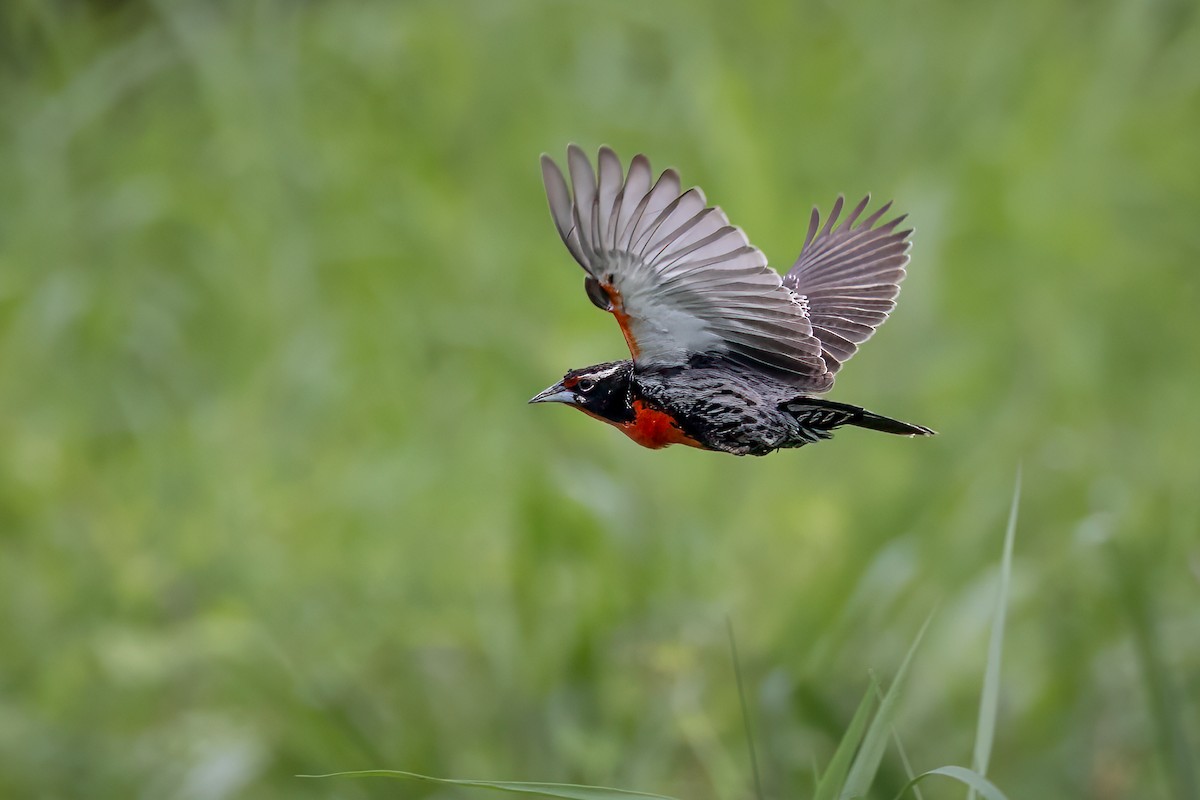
(555,394)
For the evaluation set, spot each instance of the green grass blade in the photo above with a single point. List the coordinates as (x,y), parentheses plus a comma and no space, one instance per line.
(566,791)
(737,675)
(989,699)
(908,770)
(974,780)
(835,774)
(866,763)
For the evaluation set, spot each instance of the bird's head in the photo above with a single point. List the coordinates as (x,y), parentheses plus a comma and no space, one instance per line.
(602,390)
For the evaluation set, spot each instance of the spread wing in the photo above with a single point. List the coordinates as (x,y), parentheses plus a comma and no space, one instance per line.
(680,279)
(850,276)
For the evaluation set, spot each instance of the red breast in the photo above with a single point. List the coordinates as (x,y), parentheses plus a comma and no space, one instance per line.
(654,428)
(650,427)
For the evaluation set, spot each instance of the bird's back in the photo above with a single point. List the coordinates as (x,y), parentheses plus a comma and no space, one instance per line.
(724,406)
(728,407)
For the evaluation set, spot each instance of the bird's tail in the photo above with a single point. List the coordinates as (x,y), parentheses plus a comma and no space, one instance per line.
(878,422)
(838,414)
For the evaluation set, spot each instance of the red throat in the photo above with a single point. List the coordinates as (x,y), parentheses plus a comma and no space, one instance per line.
(652,428)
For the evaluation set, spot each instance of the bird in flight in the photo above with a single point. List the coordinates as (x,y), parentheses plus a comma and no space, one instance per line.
(727,355)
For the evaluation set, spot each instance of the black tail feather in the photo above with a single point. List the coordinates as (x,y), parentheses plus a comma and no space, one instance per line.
(826,415)
(878,422)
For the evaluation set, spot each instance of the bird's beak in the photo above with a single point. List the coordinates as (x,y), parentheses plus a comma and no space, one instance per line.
(555,394)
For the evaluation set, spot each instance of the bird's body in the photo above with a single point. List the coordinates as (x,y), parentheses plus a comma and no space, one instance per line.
(719,406)
(727,355)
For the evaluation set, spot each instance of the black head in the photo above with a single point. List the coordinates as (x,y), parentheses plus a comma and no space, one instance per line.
(601,390)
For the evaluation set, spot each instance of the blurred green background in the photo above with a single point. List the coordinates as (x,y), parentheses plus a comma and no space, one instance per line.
(276,280)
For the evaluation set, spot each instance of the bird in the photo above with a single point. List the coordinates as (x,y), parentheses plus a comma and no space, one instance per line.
(726,354)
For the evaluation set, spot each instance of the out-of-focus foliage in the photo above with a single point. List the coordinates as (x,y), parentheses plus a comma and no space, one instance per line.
(276,280)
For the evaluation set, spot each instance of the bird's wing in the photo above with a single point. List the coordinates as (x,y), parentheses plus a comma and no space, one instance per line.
(850,276)
(680,280)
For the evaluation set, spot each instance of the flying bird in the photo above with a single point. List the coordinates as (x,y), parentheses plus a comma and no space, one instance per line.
(726,354)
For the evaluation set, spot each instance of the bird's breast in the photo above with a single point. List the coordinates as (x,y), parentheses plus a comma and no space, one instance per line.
(654,428)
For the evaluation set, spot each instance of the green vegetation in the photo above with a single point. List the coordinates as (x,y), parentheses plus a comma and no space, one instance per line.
(277,278)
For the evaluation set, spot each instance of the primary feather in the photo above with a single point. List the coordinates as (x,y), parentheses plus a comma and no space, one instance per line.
(850,276)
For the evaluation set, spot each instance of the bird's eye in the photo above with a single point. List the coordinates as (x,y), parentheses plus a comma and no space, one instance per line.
(585,385)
